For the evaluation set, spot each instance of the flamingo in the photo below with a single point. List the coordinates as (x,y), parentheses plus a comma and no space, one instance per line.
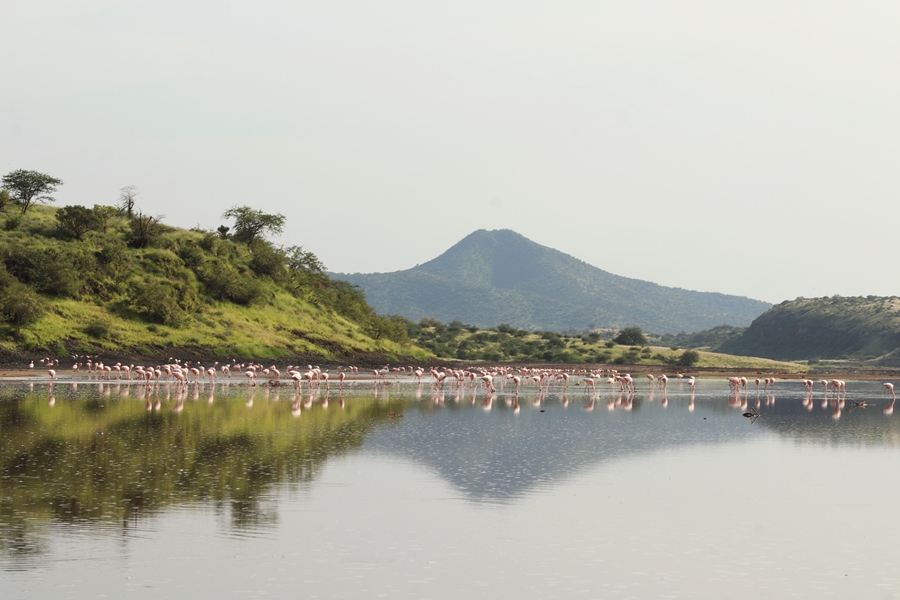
(890,387)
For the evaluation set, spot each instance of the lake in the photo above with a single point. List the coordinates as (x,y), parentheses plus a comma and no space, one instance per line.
(395,490)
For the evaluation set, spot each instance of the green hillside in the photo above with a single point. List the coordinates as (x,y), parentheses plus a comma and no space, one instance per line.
(857,328)
(78,280)
(494,277)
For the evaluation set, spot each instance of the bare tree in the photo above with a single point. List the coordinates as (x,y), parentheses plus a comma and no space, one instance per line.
(126,200)
(144,230)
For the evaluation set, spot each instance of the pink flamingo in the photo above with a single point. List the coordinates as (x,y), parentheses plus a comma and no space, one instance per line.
(298,379)
(179,377)
(890,387)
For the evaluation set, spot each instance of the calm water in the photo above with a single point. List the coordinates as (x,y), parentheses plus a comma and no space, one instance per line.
(397,491)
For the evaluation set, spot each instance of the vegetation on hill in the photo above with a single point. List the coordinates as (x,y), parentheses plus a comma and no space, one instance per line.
(857,328)
(505,343)
(115,280)
(494,277)
(86,280)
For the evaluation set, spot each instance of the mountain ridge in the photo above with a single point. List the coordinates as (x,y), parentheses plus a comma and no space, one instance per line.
(500,276)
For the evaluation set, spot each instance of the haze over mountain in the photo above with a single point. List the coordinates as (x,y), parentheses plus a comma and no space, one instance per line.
(494,277)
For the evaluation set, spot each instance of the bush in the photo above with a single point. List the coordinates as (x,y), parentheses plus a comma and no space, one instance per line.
(20,304)
(99,328)
(72,222)
(392,328)
(688,358)
(157,301)
(268,260)
(12,223)
(191,255)
(227,284)
(50,270)
(631,336)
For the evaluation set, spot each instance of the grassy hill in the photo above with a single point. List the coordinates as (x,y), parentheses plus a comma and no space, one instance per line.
(858,328)
(76,280)
(494,277)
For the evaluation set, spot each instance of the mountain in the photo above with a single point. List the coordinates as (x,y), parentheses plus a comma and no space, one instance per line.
(494,277)
(860,328)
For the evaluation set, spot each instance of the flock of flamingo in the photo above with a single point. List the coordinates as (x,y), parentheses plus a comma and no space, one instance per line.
(543,380)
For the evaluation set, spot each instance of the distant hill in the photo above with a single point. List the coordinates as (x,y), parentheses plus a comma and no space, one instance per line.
(860,328)
(495,277)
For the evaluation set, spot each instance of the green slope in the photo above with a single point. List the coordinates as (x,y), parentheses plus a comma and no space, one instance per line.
(859,328)
(120,290)
(494,277)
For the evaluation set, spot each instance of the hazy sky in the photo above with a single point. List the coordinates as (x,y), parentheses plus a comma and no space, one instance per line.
(749,148)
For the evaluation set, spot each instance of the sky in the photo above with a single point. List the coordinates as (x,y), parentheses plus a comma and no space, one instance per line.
(748,148)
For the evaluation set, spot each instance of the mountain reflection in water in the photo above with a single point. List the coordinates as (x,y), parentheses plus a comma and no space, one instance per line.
(113,454)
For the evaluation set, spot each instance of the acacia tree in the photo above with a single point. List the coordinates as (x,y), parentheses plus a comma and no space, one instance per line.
(251,225)
(27,187)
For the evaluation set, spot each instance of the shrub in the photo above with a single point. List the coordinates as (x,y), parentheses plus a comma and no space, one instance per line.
(157,301)
(12,223)
(72,222)
(20,304)
(99,328)
(228,284)
(268,260)
(392,328)
(49,270)
(688,358)
(191,255)
(631,336)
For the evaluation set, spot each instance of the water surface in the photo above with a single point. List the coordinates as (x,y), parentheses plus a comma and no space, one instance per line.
(402,491)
